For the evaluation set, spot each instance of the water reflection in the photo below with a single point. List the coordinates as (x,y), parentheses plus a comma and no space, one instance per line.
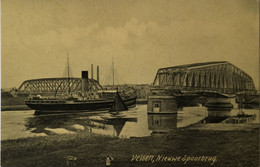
(44,123)
(217,115)
(64,123)
(162,122)
(133,123)
(185,116)
(231,116)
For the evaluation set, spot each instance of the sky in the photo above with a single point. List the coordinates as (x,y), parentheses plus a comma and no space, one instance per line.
(139,36)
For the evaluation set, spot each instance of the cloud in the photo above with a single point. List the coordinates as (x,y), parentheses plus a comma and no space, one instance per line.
(140,39)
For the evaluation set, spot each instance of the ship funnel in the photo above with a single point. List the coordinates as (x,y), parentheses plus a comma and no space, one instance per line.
(84,81)
(91,71)
(98,74)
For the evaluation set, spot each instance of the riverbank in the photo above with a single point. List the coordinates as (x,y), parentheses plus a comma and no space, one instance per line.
(14,108)
(13,103)
(228,148)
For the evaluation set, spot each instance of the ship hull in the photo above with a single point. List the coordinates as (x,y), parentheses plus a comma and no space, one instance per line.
(94,105)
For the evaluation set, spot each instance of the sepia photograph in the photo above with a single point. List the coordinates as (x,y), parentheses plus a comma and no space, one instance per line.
(130,83)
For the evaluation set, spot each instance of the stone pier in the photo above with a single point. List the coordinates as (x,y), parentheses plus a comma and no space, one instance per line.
(162,104)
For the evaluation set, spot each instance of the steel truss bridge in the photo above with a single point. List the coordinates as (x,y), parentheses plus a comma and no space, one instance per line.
(220,77)
(52,86)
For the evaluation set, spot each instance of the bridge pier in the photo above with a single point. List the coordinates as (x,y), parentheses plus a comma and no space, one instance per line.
(219,104)
(219,108)
(162,104)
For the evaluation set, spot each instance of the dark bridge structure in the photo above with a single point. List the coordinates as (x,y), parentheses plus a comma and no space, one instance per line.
(53,86)
(221,77)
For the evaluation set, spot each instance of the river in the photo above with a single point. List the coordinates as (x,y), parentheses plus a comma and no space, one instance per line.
(132,123)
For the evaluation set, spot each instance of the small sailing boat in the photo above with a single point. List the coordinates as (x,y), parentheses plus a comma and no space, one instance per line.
(118,105)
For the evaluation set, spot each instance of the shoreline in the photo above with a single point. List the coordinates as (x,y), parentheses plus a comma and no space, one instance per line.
(91,149)
(15,108)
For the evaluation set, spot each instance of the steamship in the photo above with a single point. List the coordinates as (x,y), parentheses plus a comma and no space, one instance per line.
(86,100)
(72,104)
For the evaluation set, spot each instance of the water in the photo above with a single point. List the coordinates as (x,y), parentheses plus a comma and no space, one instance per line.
(132,123)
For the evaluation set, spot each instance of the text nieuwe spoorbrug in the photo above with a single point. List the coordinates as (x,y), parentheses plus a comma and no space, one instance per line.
(185,159)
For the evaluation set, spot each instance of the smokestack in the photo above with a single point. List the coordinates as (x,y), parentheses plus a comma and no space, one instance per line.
(91,71)
(84,81)
(98,74)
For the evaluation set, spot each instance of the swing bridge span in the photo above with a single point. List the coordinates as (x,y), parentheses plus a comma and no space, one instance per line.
(220,77)
(51,86)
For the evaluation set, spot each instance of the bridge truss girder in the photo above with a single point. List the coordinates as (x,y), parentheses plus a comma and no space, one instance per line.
(221,77)
(56,85)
